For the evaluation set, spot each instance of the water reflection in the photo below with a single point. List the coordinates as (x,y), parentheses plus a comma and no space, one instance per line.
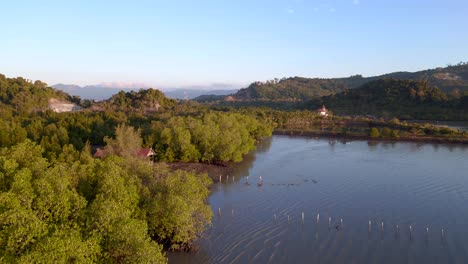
(264,145)
(242,169)
(331,201)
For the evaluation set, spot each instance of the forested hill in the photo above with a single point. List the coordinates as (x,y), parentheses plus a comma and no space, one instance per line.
(296,88)
(144,101)
(406,99)
(21,96)
(451,80)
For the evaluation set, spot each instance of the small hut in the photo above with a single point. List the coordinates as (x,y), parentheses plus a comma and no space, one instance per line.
(322,111)
(145,153)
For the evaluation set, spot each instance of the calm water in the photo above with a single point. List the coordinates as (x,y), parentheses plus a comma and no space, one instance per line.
(394,183)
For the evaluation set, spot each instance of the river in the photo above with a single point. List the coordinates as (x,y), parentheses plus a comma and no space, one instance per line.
(352,194)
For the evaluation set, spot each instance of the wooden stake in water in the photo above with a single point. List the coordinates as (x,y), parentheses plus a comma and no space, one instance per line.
(318,218)
(382,226)
(233,178)
(329,221)
(370,225)
(341,221)
(288,219)
(220,178)
(397,231)
(427,229)
(219,211)
(442,233)
(232,212)
(410,232)
(302,217)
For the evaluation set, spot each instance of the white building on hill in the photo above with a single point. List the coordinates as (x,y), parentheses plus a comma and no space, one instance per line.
(322,111)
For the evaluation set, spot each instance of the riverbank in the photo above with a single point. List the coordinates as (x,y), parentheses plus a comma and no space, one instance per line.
(330,134)
(214,170)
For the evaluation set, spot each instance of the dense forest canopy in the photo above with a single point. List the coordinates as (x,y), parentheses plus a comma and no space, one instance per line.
(59,204)
(80,209)
(452,79)
(209,137)
(397,98)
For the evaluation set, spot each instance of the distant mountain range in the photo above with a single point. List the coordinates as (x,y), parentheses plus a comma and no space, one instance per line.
(100,92)
(193,93)
(91,92)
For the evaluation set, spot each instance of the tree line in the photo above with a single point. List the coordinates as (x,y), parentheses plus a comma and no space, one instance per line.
(80,209)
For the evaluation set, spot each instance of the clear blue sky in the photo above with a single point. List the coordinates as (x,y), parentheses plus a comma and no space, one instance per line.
(187,42)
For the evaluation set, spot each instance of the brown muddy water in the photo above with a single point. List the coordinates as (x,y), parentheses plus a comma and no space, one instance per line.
(339,187)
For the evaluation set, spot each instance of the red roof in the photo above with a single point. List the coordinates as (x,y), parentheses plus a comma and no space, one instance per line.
(100,153)
(145,152)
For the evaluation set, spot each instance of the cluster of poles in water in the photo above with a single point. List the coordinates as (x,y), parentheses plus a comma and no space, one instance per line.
(339,225)
(259,182)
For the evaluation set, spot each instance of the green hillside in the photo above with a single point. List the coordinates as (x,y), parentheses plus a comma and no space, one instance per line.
(401,98)
(21,96)
(452,80)
(145,101)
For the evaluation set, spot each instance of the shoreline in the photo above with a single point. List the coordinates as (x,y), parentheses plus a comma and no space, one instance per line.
(214,170)
(327,134)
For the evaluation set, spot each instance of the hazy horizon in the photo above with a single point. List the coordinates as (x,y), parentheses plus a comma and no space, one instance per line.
(136,85)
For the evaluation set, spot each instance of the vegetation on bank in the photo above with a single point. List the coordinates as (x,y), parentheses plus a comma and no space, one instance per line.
(305,122)
(404,99)
(211,137)
(80,209)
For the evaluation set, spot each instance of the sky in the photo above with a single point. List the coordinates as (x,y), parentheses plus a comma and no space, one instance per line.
(172,43)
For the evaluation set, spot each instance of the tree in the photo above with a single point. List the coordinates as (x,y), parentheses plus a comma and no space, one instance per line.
(46,215)
(126,143)
(177,211)
(374,133)
(113,216)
